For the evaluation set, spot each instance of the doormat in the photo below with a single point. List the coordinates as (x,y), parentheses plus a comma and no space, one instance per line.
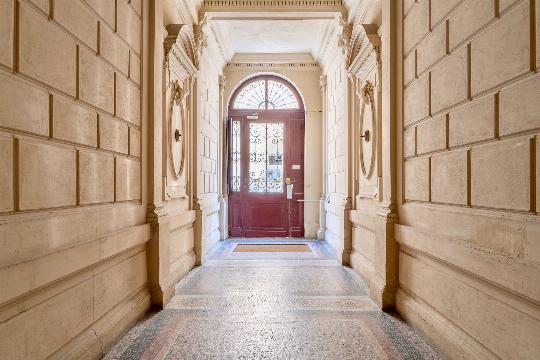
(271,248)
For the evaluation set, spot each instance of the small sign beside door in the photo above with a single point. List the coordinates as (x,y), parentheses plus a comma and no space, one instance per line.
(296,167)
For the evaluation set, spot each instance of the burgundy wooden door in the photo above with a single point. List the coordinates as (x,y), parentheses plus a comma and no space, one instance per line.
(267,155)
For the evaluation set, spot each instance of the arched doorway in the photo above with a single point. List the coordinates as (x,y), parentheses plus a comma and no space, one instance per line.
(266,159)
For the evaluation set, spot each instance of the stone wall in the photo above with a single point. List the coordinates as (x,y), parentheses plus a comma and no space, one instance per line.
(72,223)
(207,144)
(469,233)
(337,181)
(207,153)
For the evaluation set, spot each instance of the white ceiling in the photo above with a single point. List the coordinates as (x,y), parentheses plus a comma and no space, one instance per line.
(272,36)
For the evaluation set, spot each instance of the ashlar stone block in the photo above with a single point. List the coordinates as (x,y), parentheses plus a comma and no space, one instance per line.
(114,50)
(416,100)
(134,68)
(449,177)
(128,100)
(473,122)
(23,106)
(537,174)
(537,36)
(6,173)
(468,18)
(502,52)
(136,4)
(407,5)
(409,68)
(73,122)
(134,142)
(47,175)
(416,24)
(417,179)
(96,177)
(128,184)
(431,135)
(129,25)
(409,142)
(520,106)
(449,81)
(113,284)
(432,48)
(6,32)
(43,5)
(96,81)
(505,4)
(501,175)
(46,52)
(439,9)
(78,20)
(54,322)
(113,135)
(105,9)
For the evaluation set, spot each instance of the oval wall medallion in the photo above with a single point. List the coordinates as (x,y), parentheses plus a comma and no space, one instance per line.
(368,122)
(176,130)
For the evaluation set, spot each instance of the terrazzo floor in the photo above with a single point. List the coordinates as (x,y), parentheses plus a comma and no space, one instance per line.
(271,306)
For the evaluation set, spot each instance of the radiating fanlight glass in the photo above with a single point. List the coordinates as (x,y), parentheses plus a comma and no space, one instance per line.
(280,96)
(266,94)
(252,96)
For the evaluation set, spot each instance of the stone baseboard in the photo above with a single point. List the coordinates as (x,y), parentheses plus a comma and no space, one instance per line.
(96,340)
(443,334)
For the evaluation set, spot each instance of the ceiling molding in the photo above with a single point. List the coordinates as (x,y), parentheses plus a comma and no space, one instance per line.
(186,10)
(297,66)
(311,6)
(222,39)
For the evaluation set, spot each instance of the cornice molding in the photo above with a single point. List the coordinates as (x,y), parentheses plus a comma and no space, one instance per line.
(219,33)
(186,14)
(272,5)
(177,44)
(364,51)
(306,66)
(327,42)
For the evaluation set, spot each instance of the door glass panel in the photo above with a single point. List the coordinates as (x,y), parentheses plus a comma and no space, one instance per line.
(266,158)
(274,160)
(236,173)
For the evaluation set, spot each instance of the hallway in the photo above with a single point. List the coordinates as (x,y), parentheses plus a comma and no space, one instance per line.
(140,140)
(271,305)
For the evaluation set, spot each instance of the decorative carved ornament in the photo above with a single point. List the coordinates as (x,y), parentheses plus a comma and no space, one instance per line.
(364,52)
(344,36)
(200,40)
(176,126)
(323,83)
(179,56)
(368,125)
(179,70)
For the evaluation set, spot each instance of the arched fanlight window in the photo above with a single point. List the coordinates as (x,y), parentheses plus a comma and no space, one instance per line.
(266,93)
(252,96)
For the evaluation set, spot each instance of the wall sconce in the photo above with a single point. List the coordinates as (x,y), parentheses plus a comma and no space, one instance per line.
(177,135)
